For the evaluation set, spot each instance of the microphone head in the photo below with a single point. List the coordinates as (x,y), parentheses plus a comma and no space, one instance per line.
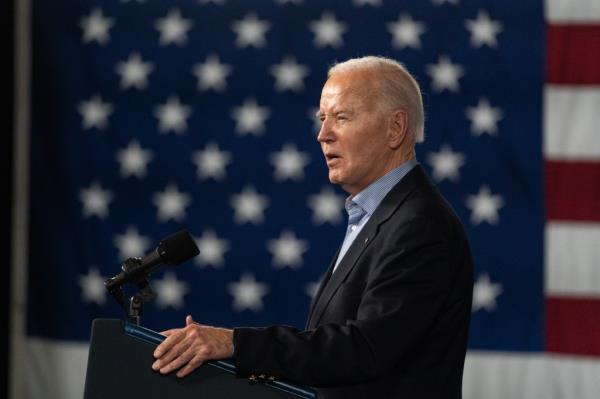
(177,248)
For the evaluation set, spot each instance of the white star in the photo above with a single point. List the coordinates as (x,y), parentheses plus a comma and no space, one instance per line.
(484,118)
(445,75)
(92,286)
(485,293)
(289,75)
(173,28)
(170,291)
(211,74)
(172,116)
(171,204)
(131,244)
(211,162)
(212,249)
(287,250)
(289,163)
(373,3)
(327,206)
(440,2)
(484,206)
(96,27)
(314,117)
(311,289)
(247,293)
(483,30)
(250,118)
(250,31)
(95,112)
(406,32)
(134,72)
(95,201)
(134,160)
(328,31)
(249,206)
(446,163)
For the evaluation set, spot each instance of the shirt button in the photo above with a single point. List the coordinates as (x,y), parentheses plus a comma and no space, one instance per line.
(353,227)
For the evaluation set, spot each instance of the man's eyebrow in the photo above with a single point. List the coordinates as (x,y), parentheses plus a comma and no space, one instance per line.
(319,114)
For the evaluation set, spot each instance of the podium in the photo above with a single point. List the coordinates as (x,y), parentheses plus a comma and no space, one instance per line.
(119,367)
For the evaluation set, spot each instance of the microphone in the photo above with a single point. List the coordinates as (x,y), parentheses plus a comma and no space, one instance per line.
(172,250)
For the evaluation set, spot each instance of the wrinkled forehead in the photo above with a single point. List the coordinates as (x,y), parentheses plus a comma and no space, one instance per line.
(349,90)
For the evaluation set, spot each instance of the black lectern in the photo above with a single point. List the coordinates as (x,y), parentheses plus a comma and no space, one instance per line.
(119,367)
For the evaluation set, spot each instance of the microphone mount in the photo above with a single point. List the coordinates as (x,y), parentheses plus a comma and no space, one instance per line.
(134,305)
(171,251)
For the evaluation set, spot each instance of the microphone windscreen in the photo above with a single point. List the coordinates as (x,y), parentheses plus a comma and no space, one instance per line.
(177,248)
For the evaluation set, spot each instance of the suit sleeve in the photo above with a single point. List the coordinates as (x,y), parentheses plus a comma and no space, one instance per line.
(407,285)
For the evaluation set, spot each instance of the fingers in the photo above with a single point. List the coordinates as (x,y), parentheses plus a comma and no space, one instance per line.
(166,333)
(172,339)
(192,365)
(172,356)
(187,353)
(188,321)
(185,349)
(181,360)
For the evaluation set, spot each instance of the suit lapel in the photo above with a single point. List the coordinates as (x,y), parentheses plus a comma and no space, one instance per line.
(322,284)
(367,235)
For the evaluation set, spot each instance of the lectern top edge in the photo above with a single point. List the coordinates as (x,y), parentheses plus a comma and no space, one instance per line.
(142,334)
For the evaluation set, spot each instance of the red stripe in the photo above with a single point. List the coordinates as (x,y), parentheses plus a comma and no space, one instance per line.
(572,191)
(573,325)
(573,54)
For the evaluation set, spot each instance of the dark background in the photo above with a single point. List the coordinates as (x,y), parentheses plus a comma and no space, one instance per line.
(6,152)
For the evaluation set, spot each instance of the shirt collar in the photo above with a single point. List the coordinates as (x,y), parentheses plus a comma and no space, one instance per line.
(370,198)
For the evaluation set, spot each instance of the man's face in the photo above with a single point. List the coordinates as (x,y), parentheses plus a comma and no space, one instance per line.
(353,133)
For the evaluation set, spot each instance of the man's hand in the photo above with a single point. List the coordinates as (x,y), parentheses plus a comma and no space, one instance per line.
(187,348)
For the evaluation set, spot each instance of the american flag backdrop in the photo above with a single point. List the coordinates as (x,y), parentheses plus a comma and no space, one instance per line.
(152,116)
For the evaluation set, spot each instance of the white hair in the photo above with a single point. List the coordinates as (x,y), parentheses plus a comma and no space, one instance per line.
(398,88)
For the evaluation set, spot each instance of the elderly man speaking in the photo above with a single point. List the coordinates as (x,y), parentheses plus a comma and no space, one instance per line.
(391,316)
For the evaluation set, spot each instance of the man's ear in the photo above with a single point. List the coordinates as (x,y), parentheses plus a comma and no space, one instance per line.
(398,128)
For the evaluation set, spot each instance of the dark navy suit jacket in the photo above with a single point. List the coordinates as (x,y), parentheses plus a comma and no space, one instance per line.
(393,320)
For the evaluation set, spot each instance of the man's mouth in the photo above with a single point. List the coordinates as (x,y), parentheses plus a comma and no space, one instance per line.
(331,156)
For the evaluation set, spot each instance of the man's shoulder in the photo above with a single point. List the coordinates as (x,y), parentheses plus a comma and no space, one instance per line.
(416,199)
(416,193)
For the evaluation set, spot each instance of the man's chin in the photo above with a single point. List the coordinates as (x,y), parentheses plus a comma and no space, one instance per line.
(334,178)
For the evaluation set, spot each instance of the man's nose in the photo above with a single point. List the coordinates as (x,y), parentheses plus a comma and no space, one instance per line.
(325,133)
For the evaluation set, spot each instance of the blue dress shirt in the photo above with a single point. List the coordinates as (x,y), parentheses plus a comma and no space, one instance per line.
(362,205)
